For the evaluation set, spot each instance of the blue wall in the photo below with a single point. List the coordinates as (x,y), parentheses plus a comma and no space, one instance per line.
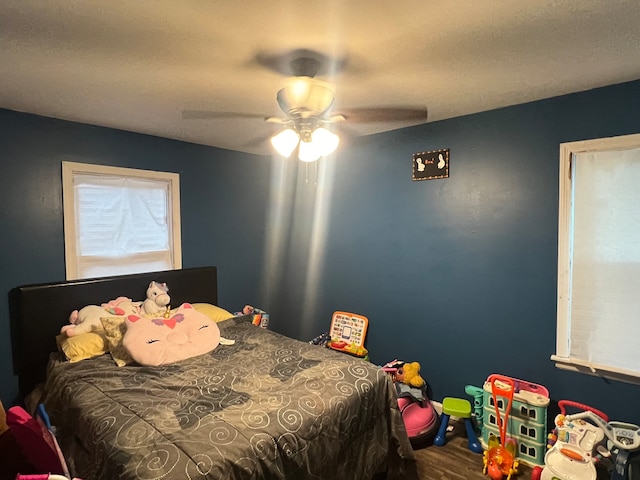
(223,209)
(458,274)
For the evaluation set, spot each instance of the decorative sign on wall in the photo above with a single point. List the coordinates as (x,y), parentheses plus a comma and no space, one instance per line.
(431,165)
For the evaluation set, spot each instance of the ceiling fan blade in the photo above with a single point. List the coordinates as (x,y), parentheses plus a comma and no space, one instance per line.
(334,118)
(262,140)
(277,120)
(211,115)
(414,115)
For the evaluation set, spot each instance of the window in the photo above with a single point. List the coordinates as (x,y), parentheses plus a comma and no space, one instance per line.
(598,322)
(119,220)
(527,412)
(527,432)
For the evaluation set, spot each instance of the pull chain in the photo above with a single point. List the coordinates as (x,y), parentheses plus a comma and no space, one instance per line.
(315,172)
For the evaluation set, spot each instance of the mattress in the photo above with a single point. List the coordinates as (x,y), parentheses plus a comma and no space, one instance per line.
(266,407)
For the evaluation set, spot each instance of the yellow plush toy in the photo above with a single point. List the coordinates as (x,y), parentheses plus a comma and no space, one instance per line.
(409,373)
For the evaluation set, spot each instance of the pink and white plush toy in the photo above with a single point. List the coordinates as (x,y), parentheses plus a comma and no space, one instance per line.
(157,298)
(87,319)
(177,335)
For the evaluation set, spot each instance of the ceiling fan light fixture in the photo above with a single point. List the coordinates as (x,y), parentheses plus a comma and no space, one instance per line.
(285,142)
(308,151)
(325,141)
(305,97)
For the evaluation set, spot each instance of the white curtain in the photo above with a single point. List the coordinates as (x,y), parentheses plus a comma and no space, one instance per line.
(122,225)
(604,320)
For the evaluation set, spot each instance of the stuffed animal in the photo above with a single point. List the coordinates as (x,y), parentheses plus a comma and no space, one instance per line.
(409,373)
(246,310)
(120,306)
(157,298)
(87,319)
(182,334)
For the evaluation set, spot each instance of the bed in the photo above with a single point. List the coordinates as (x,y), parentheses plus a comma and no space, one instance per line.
(267,406)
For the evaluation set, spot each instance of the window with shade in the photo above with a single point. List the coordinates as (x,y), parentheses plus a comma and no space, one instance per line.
(119,220)
(598,322)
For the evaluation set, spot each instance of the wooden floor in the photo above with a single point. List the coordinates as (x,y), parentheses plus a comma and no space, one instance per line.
(454,460)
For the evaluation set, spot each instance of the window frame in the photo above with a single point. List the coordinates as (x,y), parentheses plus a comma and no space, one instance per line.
(71,169)
(562,357)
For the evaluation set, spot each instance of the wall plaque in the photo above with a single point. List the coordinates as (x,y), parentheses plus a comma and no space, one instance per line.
(431,165)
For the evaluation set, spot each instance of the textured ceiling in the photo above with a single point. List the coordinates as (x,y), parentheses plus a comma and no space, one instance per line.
(137,65)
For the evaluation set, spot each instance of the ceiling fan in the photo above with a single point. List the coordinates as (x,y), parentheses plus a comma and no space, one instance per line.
(307,102)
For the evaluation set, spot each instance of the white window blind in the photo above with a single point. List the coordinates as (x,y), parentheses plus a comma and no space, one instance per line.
(599,258)
(119,220)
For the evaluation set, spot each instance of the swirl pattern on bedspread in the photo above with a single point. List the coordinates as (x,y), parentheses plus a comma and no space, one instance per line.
(266,407)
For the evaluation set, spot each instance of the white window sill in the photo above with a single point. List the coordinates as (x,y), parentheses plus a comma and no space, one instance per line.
(611,373)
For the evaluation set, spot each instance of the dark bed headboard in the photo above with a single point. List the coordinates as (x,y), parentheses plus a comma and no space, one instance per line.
(38,312)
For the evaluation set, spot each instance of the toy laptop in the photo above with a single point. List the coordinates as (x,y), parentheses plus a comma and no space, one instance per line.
(348,331)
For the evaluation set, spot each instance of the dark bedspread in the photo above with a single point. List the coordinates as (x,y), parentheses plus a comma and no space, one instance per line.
(266,407)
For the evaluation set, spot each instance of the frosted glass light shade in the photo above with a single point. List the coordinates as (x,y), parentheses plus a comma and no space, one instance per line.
(308,151)
(308,95)
(285,142)
(324,141)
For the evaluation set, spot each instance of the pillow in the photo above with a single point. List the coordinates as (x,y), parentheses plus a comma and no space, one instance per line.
(83,346)
(114,330)
(215,313)
(184,333)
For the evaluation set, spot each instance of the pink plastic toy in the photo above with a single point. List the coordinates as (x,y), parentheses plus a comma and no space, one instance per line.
(419,416)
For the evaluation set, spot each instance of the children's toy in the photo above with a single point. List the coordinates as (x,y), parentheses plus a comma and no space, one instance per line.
(120,306)
(323,339)
(418,414)
(526,423)
(460,408)
(478,411)
(499,459)
(572,446)
(409,373)
(35,437)
(260,317)
(419,417)
(627,461)
(87,319)
(157,298)
(246,310)
(348,332)
(576,441)
(182,334)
